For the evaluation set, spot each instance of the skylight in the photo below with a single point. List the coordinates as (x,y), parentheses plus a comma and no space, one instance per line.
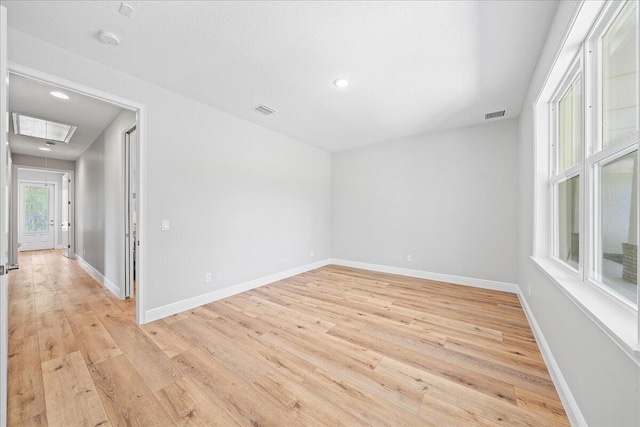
(40,128)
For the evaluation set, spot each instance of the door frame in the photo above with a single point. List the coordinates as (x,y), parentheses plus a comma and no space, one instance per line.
(20,203)
(13,215)
(4,211)
(141,120)
(129,249)
(67,203)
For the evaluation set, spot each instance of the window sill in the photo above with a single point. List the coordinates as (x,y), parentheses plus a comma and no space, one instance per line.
(618,321)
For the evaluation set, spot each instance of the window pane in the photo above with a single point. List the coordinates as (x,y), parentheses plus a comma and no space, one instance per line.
(569,126)
(36,209)
(568,222)
(620,76)
(618,226)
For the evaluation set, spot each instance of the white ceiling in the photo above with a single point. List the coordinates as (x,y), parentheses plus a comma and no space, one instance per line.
(414,67)
(34,99)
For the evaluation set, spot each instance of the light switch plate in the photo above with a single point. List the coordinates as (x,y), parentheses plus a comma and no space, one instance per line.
(165,225)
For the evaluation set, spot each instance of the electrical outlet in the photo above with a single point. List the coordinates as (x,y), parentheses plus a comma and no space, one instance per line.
(84,252)
(311,253)
(207,278)
(409,258)
(529,289)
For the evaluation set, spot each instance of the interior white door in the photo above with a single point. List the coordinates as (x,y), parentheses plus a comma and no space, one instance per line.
(4,216)
(65,220)
(36,220)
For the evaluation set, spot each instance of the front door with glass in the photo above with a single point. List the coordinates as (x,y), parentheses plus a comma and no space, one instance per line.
(36,217)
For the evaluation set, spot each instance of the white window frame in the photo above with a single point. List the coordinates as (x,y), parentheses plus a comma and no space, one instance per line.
(595,164)
(557,178)
(613,314)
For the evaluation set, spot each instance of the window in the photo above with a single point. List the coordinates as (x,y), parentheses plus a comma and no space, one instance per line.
(587,155)
(36,209)
(614,144)
(618,49)
(594,157)
(566,167)
(617,242)
(568,250)
(570,126)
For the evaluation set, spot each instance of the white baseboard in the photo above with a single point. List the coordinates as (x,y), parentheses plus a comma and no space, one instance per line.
(457,280)
(98,276)
(568,401)
(188,304)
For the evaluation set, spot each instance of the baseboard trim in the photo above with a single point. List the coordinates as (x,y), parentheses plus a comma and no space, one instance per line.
(98,276)
(188,304)
(439,277)
(568,401)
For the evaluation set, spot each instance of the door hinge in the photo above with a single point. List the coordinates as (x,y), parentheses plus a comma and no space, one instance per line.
(1,270)
(69,202)
(69,246)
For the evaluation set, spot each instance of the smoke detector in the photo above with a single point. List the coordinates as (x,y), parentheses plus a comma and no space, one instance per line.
(108,38)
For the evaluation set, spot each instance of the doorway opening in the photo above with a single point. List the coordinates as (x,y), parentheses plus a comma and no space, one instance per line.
(99,225)
(44,210)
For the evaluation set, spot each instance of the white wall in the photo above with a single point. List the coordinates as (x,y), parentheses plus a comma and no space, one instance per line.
(100,201)
(243,202)
(447,199)
(602,378)
(39,162)
(51,177)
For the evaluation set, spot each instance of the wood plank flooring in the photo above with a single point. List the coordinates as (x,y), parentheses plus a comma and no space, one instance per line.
(332,347)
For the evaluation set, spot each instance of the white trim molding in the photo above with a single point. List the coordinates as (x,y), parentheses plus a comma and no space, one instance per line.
(141,255)
(197,301)
(98,276)
(568,401)
(439,277)
(612,316)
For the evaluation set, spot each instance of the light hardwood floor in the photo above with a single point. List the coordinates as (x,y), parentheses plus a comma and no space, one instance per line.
(334,346)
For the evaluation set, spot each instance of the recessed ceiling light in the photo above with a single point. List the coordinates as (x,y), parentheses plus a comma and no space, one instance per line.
(108,38)
(341,83)
(44,148)
(59,95)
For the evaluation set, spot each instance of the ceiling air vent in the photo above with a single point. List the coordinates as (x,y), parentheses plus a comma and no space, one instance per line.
(494,115)
(264,109)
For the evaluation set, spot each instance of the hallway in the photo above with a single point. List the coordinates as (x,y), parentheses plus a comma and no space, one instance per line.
(53,310)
